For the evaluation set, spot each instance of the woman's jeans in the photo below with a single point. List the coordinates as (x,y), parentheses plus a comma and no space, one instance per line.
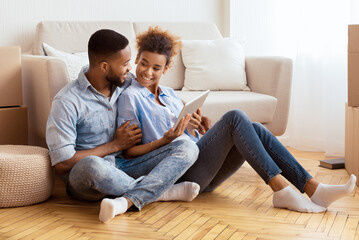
(235,138)
(142,179)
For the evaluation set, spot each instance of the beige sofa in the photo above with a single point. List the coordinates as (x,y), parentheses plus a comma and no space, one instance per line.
(269,78)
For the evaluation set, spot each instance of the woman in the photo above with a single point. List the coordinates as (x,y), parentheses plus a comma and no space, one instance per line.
(222,148)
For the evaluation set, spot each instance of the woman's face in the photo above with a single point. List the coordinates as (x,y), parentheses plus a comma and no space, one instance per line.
(150,67)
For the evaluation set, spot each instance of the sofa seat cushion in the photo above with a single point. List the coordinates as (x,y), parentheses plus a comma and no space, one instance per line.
(259,107)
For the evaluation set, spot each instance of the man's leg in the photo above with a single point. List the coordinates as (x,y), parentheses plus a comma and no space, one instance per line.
(93,178)
(171,162)
(162,168)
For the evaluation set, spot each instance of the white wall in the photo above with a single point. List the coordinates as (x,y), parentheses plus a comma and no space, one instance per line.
(19,17)
(269,27)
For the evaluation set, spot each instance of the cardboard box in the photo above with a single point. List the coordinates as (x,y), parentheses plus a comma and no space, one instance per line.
(10,77)
(352,140)
(13,125)
(353,65)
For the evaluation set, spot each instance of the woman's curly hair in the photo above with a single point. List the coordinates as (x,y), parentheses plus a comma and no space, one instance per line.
(159,41)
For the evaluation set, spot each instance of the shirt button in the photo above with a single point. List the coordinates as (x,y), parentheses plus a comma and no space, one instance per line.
(109,109)
(111,126)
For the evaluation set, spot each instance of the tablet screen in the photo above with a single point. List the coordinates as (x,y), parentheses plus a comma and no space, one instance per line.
(191,107)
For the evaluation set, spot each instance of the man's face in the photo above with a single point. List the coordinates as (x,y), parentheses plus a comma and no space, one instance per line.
(119,67)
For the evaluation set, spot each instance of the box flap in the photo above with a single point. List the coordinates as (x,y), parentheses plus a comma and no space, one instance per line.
(353,38)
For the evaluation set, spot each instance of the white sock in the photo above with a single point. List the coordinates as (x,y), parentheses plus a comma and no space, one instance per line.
(325,194)
(291,199)
(185,191)
(111,207)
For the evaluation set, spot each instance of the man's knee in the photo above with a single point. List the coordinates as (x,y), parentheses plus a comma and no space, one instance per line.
(190,150)
(88,167)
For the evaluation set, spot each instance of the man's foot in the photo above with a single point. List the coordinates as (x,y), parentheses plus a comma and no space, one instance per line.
(112,207)
(325,194)
(292,200)
(185,191)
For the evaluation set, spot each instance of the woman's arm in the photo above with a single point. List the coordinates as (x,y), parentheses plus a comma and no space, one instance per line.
(168,137)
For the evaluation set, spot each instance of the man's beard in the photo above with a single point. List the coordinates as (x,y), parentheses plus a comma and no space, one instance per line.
(115,81)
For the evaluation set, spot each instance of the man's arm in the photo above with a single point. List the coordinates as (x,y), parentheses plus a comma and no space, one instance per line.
(125,137)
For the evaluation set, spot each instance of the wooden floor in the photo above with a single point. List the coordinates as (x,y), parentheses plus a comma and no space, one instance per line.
(240,209)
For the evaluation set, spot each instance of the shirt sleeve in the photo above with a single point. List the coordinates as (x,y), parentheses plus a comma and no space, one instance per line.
(193,138)
(127,110)
(61,131)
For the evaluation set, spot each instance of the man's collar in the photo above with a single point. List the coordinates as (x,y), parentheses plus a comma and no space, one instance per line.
(84,83)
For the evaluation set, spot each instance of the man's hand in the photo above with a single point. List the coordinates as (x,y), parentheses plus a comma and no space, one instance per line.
(127,136)
(171,134)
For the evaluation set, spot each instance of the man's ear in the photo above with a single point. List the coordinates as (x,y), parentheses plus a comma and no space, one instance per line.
(165,70)
(104,66)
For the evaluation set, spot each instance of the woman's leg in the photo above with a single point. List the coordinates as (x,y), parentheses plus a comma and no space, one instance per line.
(232,162)
(215,146)
(234,129)
(321,194)
(291,168)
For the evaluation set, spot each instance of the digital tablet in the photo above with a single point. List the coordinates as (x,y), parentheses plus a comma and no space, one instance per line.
(191,107)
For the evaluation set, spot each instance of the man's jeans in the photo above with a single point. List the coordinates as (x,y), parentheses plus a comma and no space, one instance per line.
(230,142)
(142,179)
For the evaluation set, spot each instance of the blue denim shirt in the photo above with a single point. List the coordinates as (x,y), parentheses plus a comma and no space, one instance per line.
(137,105)
(81,118)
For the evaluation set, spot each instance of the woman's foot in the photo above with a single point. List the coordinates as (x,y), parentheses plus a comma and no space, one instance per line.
(185,191)
(325,194)
(292,200)
(111,207)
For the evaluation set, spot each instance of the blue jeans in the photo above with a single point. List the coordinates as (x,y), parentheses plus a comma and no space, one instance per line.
(235,138)
(142,179)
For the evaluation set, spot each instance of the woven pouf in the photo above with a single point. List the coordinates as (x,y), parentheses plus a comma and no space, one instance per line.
(26,176)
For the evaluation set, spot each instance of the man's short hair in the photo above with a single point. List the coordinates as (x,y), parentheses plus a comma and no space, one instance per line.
(104,43)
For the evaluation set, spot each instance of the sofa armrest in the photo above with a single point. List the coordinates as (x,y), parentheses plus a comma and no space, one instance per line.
(272,76)
(42,78)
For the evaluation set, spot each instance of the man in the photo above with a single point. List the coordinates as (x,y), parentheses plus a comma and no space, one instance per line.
(83,139)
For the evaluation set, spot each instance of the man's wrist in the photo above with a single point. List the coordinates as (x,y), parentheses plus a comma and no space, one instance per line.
(115,147)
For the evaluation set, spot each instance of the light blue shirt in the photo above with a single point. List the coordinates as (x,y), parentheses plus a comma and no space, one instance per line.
(137,105)
(81,118)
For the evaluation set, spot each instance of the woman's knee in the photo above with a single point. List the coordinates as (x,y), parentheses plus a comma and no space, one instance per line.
(258,127)
(236,115)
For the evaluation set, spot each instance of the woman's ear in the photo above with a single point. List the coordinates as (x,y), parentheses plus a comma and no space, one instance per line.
(165,70)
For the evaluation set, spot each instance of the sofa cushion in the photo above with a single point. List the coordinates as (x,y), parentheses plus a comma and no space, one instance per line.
(74,61)
(174,77)
(217,64)
(259,107)
(72,37)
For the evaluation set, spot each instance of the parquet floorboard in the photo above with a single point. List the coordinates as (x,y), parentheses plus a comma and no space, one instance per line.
(241,208)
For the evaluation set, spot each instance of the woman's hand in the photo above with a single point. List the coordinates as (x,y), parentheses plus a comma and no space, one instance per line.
(205,125)
(199,122)
(172,134)
(195,122)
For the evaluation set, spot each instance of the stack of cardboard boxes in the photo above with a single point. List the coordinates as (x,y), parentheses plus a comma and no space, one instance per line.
(13,116)
(352,108)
